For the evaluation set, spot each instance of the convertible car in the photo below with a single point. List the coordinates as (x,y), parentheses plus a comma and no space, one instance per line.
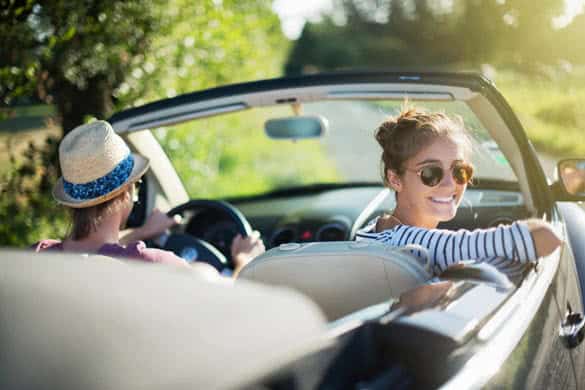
(295,158)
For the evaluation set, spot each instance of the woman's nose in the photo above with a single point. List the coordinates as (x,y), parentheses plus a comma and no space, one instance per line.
(448,180)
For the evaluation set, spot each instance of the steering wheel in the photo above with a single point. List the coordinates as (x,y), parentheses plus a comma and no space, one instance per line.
(195,249)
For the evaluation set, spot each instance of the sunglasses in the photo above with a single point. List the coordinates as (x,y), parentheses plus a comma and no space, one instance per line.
(432,175)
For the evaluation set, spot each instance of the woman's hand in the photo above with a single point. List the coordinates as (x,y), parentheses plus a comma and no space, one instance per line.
(422,297)
(544,237)
(245,249)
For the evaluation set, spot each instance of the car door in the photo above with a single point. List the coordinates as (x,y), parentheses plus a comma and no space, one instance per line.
(544,357)
(569,294)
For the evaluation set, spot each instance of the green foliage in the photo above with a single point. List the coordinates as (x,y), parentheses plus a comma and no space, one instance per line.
(425,34)
(230,156)
(81,55)
(73,54)
(91,58)
(549,108)
(27,210)
(207,43)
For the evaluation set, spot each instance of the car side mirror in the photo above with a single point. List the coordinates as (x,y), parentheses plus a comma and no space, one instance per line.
(571,184)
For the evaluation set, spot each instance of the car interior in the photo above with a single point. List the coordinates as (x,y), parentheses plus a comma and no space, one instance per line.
(308,217)
(292,210)
(317,309)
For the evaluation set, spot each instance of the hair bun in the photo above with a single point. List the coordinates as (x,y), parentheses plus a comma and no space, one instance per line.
(385,131)
(406,119)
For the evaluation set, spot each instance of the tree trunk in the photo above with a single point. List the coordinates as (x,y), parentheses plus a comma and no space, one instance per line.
(75,104)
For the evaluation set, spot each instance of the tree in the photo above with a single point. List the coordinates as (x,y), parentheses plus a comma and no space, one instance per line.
(483,31)
(75,53)
(90,57)
(433,33)
(531,35)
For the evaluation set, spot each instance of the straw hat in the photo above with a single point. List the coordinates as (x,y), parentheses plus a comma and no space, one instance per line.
(96,164)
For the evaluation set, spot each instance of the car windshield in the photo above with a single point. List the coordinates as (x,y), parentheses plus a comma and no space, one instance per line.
(231,156)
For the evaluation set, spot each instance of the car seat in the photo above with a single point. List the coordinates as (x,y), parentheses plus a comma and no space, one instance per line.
(341,277)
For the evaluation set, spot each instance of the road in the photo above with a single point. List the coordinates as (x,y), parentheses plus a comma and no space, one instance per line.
(350,142)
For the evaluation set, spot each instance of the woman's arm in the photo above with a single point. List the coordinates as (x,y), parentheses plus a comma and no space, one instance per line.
(522,241)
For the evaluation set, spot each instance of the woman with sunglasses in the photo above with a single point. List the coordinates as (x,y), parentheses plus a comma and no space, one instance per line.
(99,181)
(425,160)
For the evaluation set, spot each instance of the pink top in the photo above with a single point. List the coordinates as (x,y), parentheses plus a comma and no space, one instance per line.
(134,250)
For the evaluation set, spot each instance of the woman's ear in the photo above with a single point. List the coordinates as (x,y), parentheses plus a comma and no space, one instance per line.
(394,180)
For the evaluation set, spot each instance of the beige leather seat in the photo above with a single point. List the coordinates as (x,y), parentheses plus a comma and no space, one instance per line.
(71,324)
(341,277)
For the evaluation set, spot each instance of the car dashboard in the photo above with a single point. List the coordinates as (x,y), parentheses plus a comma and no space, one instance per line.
(335,214)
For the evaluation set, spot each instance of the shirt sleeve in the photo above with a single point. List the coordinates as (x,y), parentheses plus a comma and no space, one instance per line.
(445,248)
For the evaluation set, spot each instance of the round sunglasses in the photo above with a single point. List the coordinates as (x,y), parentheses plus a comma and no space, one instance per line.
(432,175)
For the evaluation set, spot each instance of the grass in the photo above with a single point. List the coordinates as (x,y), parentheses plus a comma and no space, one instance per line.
(549,109)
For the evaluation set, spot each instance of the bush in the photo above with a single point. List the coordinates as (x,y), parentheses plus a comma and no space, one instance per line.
(27,209)
(562,113)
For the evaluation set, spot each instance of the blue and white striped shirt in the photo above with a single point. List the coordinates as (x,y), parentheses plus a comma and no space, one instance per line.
(506,247)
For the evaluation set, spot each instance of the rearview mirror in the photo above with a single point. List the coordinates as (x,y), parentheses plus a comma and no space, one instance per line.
(572,176)
(296,127)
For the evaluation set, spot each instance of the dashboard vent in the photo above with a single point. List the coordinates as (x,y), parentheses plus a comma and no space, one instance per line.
(332,232)
(500,221)
(283,236)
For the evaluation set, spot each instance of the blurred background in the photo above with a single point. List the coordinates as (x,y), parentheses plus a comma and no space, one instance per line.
(64,62)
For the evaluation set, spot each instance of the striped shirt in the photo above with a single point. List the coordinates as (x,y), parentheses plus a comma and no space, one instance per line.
(506,247)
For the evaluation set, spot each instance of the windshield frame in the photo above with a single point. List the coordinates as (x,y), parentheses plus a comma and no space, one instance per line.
(478,92)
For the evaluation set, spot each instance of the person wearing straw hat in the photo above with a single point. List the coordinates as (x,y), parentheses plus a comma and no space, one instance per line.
(98,185)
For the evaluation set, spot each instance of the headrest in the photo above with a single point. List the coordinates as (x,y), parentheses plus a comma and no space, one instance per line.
(341,277)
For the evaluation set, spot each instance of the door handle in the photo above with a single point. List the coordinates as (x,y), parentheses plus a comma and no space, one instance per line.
(572,329)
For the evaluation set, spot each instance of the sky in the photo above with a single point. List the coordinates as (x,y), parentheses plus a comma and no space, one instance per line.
(294,13)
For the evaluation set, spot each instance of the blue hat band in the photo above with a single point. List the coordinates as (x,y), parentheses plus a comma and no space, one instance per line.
(103,185)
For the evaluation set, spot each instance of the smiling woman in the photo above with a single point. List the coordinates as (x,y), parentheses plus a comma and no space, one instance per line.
(437,143)
(425,162)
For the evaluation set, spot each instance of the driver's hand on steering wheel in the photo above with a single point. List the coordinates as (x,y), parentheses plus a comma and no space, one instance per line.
(245,249)
(156,224)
